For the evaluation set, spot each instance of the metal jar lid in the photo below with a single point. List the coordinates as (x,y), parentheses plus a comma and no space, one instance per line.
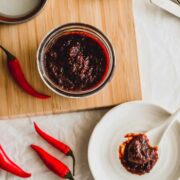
(19,11)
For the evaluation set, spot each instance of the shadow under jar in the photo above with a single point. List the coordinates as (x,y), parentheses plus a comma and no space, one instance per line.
(75,60)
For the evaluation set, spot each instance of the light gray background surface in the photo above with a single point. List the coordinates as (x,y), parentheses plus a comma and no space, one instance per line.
(158,39)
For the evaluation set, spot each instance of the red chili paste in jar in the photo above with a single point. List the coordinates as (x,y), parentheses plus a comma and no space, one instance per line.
(76,61)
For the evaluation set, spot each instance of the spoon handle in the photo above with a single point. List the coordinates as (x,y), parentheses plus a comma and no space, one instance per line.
(170,122)
(156,135)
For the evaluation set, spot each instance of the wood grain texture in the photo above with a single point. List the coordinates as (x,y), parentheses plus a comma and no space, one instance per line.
(113,17)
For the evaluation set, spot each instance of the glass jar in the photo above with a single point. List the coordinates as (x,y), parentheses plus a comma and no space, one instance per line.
(75,28)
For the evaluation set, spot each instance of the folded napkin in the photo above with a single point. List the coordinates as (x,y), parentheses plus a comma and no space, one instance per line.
(73,129)
(158,39)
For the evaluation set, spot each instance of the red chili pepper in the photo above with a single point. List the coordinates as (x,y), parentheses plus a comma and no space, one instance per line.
(57,144)
(16,72)
(9,166)
(53,164)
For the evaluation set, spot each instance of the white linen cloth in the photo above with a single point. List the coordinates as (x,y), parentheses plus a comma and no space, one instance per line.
(158,39)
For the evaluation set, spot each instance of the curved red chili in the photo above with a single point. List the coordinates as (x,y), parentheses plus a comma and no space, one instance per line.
(16,72)
(57,144)
(9,166)
(53,164)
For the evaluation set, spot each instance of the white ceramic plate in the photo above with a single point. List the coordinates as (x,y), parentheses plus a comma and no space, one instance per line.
(109,134)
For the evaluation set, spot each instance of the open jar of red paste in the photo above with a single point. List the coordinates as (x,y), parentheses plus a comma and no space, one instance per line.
(75,60)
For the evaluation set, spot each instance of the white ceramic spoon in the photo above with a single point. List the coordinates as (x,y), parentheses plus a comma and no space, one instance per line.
(157,134)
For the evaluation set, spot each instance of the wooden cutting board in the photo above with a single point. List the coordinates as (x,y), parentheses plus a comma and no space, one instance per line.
(113,17)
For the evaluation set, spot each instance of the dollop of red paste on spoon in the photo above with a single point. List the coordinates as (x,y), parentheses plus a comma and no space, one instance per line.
(137,155)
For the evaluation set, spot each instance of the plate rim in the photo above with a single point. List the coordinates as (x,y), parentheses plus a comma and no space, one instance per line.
(114,109)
